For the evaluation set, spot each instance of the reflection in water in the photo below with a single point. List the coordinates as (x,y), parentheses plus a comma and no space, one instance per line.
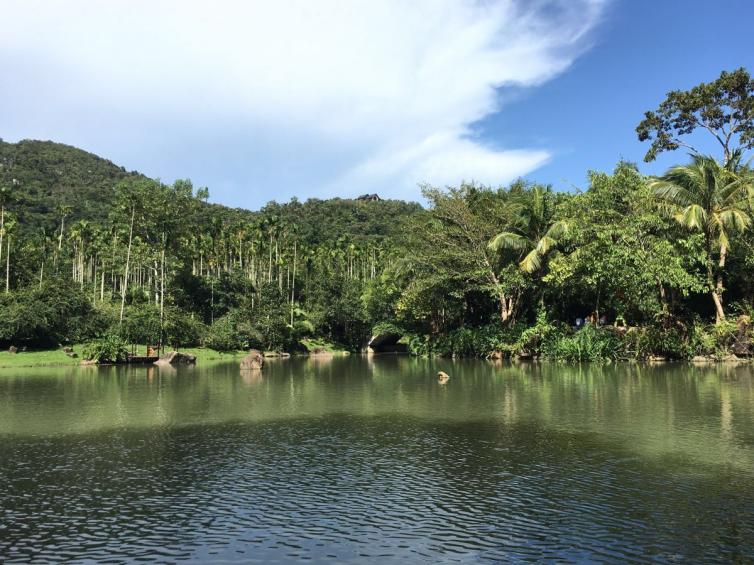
(371,459)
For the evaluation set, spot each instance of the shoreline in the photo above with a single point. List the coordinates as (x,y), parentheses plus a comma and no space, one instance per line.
(51,358)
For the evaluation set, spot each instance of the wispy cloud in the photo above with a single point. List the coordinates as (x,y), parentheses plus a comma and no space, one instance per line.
(264,100)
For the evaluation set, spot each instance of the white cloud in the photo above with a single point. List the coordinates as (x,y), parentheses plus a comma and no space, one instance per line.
(269,99)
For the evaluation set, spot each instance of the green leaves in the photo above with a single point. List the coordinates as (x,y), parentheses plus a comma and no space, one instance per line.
(724,108)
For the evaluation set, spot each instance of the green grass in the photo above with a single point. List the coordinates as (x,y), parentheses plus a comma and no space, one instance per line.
(56,357)
(205,354)
(317,343)
(49,357)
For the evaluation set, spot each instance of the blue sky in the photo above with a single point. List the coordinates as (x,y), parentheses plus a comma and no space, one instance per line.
(264,100)
(642,49)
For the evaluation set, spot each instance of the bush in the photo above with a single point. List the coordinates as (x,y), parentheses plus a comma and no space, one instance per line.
(108,349)
(223,335)
(713,340)
(181,330)
(587,344)
(666,341)
(57,312)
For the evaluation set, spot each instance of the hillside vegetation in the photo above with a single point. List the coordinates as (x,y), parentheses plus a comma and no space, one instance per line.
(630,267)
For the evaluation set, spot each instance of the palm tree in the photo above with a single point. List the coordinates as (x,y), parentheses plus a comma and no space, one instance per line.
(5,198)
(533,230)
(714,199)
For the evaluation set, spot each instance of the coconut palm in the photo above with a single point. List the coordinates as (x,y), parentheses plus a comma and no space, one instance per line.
(533,230)
(714,199)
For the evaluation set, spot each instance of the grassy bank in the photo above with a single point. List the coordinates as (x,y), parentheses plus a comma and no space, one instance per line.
(46,358)
(57,357)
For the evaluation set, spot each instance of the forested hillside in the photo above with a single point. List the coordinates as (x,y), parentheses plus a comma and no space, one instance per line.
(629,267)
(47,175)
(83,240)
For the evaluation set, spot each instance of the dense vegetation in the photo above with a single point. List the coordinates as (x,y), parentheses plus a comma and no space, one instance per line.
(630,267)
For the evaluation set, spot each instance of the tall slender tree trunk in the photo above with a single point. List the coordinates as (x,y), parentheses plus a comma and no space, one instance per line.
(128,263)
(7,267)
(2,231)
(293,281)
(162,292)
(717,293)
(715,288)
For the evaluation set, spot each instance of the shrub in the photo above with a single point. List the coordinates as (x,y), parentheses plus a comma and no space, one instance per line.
(587,344)
(181,330)
(223,335)
(109,349)
(714,340)
(56,312)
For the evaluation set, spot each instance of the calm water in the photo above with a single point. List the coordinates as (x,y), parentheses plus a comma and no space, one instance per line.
(371,460)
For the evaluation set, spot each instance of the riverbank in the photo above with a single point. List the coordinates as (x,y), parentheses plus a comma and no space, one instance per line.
(58,357)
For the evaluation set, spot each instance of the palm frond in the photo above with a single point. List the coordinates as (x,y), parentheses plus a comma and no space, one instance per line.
(532,262)
(509,240)
(692,217)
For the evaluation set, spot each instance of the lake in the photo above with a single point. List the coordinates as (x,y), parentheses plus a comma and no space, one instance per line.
(358,459)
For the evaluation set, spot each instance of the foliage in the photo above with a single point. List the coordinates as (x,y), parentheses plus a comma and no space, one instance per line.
(590,343)
(91,250)
(110,348)
(55,312)
(226,335)
(723,107)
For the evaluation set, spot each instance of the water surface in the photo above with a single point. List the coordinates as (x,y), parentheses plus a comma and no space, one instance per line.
(371,460)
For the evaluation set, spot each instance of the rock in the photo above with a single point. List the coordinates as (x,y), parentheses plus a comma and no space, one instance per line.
(732,358)
(254,361)
(443,377)
(701,359)
(657,359)
(743,344)
(88,362)
(176,358)
(13,349)
(276,354)
(320,352)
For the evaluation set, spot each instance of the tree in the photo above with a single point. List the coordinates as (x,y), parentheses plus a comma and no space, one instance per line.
(621,258)
(533,229)
(5,198)
(724,108)
(715,200)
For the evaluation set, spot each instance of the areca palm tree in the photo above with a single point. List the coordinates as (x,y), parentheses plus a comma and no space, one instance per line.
(533,231)
(714,199)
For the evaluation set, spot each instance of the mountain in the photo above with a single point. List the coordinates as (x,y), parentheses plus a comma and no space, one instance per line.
(45,175)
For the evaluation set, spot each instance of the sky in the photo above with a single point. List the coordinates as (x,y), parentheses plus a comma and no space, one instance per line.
(267,100)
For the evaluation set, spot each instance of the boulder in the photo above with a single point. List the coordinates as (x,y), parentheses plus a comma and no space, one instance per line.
(731,358)
(176,358)
(254,361)
(657,359)
(273,354)
(743,344)
(701,359)
(320,352)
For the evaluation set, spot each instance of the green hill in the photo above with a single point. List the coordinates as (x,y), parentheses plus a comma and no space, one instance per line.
(44,175)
